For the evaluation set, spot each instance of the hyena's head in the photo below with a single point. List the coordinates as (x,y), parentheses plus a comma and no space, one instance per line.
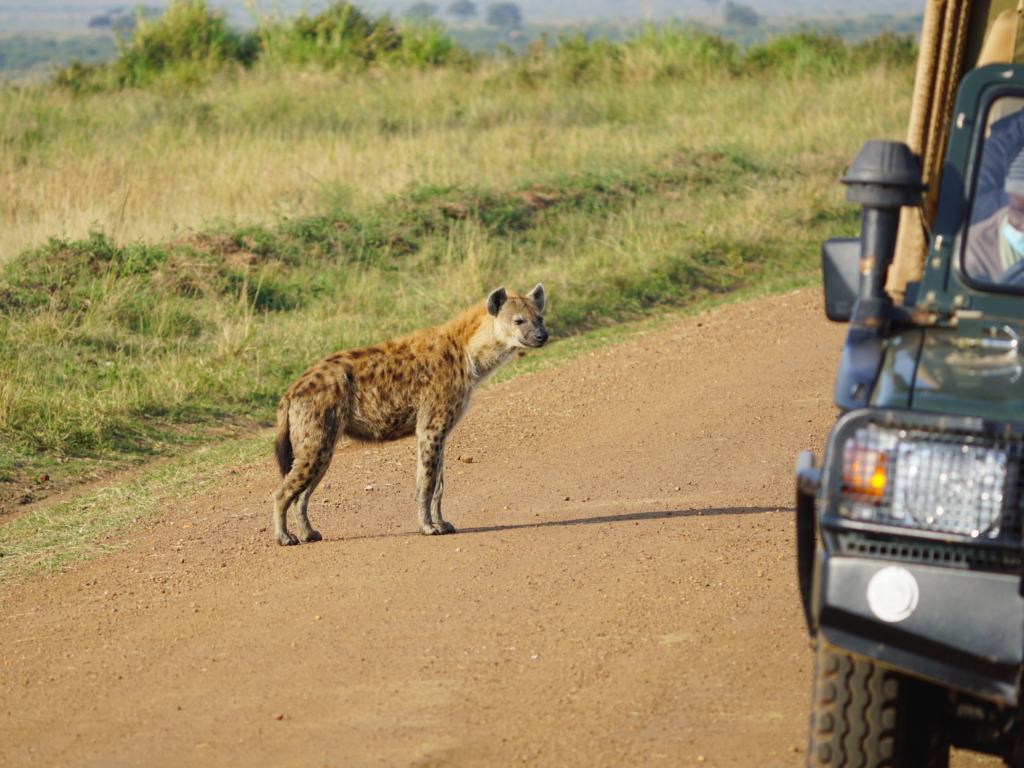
(519,319)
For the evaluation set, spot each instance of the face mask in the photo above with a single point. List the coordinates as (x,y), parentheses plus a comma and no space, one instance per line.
(1014,238)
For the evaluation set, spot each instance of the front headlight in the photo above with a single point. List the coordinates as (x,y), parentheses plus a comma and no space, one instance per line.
(930,482)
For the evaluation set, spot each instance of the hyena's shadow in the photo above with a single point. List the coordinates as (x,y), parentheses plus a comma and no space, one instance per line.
(623,518)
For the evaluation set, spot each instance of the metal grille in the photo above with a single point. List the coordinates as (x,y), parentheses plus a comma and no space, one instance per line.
(998,559)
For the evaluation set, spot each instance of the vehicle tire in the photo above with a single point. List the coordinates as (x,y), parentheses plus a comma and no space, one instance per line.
(863,716)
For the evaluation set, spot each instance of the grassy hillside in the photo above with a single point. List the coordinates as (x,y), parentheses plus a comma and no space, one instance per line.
(175,252)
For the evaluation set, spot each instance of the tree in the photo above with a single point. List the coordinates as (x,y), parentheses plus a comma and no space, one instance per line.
(740,15)
(421,11)
(464,9)
(504,15)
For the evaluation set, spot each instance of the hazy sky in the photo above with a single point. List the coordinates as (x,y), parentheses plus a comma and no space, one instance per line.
(73,15)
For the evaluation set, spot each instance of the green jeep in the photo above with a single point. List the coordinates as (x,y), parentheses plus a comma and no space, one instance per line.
(909,535)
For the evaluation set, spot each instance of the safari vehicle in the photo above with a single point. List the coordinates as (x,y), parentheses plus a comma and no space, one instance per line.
(909,534)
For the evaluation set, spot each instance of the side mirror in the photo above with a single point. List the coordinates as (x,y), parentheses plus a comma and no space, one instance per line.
(840,263)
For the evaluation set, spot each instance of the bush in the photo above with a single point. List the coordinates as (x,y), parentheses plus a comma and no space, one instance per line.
(430,45)
(189,40)
(683,53)
(887,48)
(79,78)
(673,52)
(817,53)
(574,59)
(826,54)
(340,35)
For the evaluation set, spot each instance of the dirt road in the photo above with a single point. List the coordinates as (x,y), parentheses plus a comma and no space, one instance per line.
(621,590)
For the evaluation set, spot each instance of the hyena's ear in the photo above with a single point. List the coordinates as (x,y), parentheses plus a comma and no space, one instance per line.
(496,301)
(538,297)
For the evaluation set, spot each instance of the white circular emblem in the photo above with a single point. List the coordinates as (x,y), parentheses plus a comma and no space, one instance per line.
(893,593)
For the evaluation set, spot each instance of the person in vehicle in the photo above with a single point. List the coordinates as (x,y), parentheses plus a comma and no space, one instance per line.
(1004,143)
(996,243)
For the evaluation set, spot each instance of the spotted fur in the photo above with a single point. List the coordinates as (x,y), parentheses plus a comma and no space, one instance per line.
(417,384)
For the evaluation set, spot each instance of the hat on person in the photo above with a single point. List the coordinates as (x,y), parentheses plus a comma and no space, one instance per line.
(1014,184)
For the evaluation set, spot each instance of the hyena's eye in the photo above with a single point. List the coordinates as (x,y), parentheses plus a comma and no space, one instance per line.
(519,321)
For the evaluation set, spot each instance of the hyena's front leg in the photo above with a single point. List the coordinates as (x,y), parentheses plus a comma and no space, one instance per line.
(430,484)
(435,501)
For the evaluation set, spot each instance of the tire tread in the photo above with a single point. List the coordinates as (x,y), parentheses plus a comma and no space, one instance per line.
(855,727)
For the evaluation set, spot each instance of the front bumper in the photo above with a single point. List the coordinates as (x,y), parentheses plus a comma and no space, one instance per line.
(967,631)
(966,628)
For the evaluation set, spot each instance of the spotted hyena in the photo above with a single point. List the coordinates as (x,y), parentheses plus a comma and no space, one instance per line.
(417,384)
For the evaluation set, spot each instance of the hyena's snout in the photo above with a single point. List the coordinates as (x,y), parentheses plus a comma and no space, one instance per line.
(539,337)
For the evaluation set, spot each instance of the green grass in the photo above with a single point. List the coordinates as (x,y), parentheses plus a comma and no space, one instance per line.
(58,536)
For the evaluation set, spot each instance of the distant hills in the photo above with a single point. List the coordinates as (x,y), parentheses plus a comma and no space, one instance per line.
(546,11)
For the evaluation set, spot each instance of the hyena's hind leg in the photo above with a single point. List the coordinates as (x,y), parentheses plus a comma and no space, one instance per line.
(430,484)
(294,492)
(306,532)
(313,452)
(283,497)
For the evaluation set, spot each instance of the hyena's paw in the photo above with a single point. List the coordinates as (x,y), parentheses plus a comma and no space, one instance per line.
(311,536)
(286,539)
(434,529)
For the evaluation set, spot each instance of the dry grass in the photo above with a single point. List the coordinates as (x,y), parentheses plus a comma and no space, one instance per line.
(266,144)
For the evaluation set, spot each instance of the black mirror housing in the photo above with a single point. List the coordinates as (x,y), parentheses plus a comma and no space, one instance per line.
(840,264)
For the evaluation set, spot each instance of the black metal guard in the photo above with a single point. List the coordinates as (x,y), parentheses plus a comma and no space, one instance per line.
(808,481)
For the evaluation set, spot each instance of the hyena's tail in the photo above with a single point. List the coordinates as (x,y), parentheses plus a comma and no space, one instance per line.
(283,443)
